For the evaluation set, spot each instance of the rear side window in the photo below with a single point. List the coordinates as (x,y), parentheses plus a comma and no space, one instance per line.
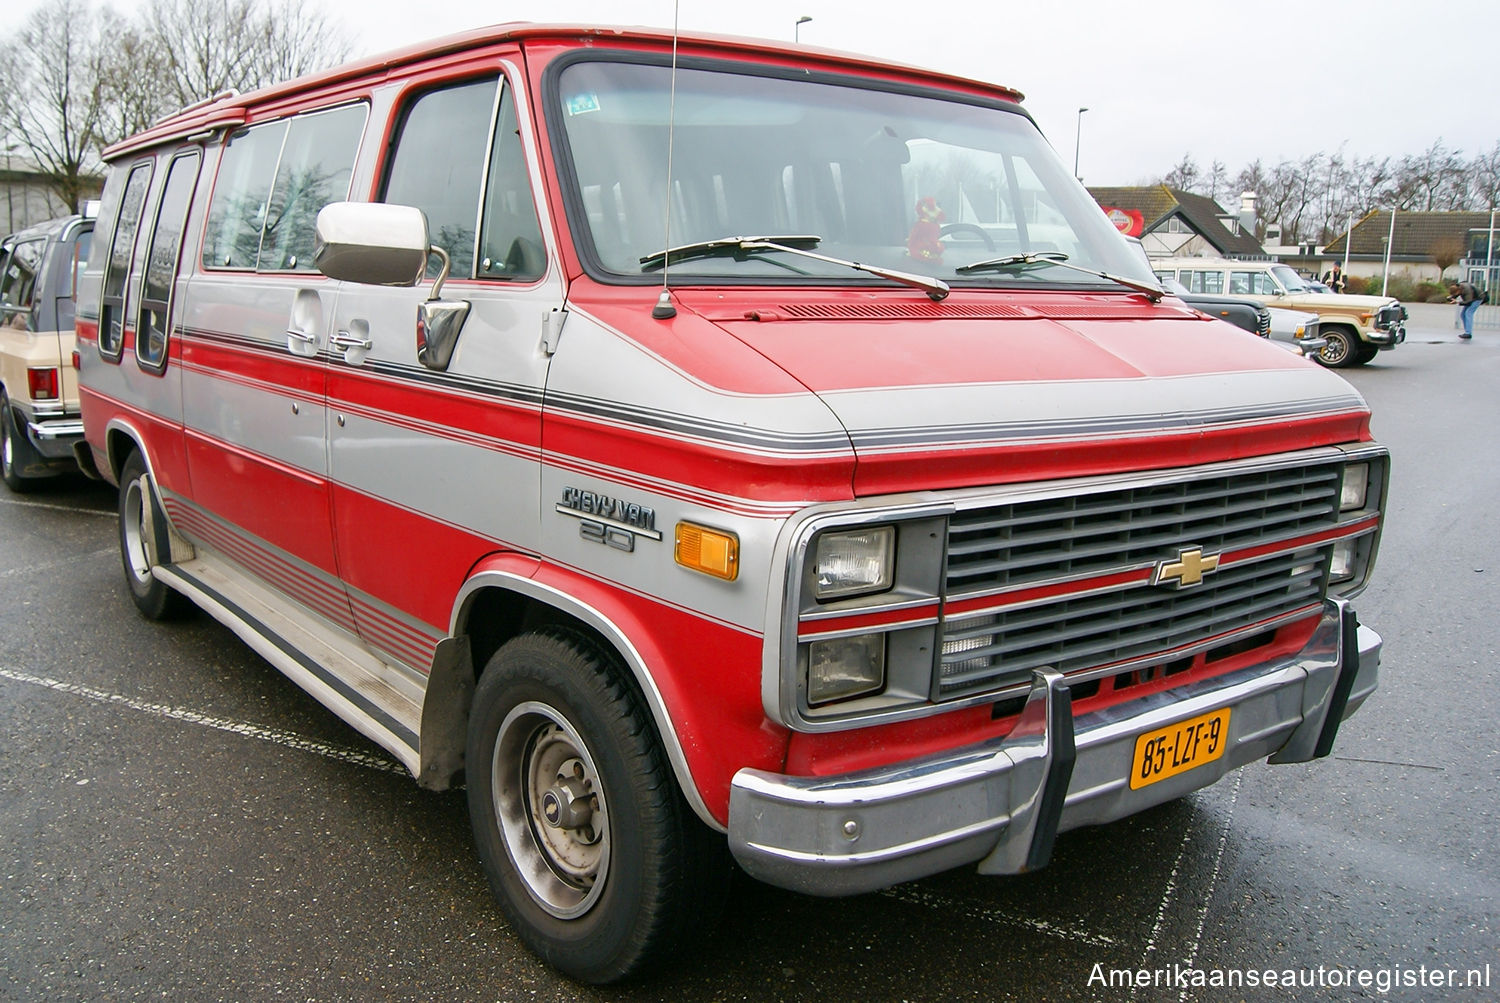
(153,327)
(117,265)
(238,211)
(316,165)
(81,250)
(1202,280)
(273,179)
(438,166)
(18,283)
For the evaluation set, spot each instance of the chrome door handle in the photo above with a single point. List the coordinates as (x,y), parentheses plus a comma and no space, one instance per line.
(302,336)
(346,340)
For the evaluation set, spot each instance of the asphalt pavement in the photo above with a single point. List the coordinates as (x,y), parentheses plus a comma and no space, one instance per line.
(180,821)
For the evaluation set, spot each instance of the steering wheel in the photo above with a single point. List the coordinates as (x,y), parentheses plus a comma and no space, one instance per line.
(989,245)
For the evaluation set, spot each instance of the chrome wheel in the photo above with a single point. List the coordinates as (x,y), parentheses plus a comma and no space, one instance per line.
(551,808)
(133,531)
(1340,348)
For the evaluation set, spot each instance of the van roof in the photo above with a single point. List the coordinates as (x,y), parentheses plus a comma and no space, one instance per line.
(230,108)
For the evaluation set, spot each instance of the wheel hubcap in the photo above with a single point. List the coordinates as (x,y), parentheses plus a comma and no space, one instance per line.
(551,807)
(133,527)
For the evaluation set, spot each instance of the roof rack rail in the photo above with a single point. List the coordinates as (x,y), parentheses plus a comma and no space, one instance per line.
(229,92)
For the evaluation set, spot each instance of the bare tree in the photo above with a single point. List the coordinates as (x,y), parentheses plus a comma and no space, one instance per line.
(1484,180)
(1218,180)
(1184,175)
(55,79)
(205,48)
(1447,250)
(1431,180)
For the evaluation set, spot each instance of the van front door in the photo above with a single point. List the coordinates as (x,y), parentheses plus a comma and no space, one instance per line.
(433,459)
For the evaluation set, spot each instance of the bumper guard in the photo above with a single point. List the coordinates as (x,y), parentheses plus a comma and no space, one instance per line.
(1002,803)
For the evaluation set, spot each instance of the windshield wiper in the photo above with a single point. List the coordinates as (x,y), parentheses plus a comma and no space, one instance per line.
(1061,260)
(741,247)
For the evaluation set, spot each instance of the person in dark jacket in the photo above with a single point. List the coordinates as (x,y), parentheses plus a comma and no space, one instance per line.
(1334,278)
(1467,295)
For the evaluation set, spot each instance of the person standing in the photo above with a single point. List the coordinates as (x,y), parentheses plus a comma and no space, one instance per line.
(1334,278)
(1465,294)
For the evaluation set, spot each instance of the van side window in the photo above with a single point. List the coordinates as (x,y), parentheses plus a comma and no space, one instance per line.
(81,249)
(117,265)
(1239,283)
(237,213)
(317,162)
(18,284)
(437,165)
(510,243)
(153,328)
(1200,280)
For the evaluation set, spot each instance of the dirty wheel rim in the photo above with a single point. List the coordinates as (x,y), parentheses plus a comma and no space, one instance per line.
(1336,350)
(133,530)
(549,801)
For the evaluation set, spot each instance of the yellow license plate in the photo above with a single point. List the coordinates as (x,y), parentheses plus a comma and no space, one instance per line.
(1179,747)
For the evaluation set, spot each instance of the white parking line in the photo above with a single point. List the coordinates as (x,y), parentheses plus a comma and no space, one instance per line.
(106,513)
(1167,895)
(32,569)
(275,736)
(951,906)
(1213,879)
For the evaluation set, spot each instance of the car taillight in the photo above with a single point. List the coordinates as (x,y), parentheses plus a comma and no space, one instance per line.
(43,383)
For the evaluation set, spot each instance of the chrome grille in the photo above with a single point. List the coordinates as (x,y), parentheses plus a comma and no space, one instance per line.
(1035,541)
(1005,546)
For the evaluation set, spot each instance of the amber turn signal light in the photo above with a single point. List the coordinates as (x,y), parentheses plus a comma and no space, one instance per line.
(711,551)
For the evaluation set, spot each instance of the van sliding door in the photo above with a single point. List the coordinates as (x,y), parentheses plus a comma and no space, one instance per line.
(253,381)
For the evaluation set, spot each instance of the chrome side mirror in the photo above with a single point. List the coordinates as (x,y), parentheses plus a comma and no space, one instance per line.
(387,245)
(439,321)
(371,242)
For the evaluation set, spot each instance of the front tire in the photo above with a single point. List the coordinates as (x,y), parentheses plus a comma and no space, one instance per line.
(595,858)
(142,541)
(1342,349)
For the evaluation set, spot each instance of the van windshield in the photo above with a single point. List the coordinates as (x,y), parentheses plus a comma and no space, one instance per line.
(902,181)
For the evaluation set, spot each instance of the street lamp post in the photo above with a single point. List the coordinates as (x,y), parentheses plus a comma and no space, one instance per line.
(1078,135)
(797,28)
(10,185)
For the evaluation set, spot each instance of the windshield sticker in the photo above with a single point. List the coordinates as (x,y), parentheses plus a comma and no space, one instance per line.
(582,104)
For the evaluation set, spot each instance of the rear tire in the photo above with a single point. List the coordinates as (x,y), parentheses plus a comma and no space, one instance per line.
(594,856)
(16,453)
(140,540)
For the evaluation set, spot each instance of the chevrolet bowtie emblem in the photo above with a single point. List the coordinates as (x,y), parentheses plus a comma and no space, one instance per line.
(1188,569)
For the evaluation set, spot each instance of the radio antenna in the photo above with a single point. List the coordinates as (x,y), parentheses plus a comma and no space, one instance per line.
(664,310)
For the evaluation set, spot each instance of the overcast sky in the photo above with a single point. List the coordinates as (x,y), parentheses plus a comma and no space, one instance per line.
(1230,81)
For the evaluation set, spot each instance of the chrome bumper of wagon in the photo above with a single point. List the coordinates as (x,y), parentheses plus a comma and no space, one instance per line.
(1001,803)
(53,438)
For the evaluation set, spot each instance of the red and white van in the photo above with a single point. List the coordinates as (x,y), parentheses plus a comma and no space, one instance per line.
(891,521)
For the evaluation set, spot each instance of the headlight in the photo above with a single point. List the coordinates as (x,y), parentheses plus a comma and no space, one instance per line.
(845,667)
(1356,487)
(853,563)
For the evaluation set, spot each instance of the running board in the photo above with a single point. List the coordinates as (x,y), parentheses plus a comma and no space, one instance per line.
(304,649)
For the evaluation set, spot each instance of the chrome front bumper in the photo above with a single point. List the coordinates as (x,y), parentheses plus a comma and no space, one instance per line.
(1001,803)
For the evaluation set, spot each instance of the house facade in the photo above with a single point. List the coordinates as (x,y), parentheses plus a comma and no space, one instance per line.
(1170,222)
(1417,240)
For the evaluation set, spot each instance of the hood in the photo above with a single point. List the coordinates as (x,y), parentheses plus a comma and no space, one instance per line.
(1338,302)
(985,389)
